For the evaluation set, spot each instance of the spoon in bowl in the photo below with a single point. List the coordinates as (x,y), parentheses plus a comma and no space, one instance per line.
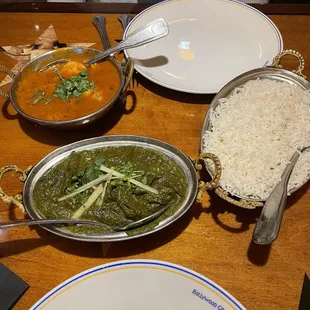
(152,217)
(146,34)
(268,225)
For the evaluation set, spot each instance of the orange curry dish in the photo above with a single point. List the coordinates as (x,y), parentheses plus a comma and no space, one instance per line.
(68,91)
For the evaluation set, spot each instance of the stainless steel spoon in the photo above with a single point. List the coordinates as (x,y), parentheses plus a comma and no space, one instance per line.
(152,217)
(268,225)
(146,34)
(17,223)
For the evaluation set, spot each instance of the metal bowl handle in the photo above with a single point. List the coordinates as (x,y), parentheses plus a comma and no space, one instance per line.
(17,199)
(6,70)
(242,203)
(128,73)
(276,61)
(213,184)
(203,186)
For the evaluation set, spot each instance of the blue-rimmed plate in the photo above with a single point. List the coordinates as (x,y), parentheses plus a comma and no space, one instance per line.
(138,285)
(210,42)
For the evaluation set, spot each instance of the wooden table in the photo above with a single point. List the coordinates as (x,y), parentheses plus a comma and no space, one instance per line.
(213,238)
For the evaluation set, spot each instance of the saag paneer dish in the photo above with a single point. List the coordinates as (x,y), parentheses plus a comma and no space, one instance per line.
(113,185)
(68,91)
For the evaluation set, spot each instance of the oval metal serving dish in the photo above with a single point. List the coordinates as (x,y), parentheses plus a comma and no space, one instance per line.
(58,155)
(274,72)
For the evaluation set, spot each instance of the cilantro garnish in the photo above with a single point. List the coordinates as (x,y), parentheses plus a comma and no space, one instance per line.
(74,86)
(38,98)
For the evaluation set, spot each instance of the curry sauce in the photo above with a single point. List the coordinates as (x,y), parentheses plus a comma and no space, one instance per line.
(50,96)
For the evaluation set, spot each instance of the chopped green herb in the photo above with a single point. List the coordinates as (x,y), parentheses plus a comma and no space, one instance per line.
(48,100)
(144,179)
(74,86)
(40,97)
(87,175)
(35,101)
(129,179)
(99,162)
(40,90)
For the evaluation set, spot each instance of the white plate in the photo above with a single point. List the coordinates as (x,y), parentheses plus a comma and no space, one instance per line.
(210,42)
(138,285)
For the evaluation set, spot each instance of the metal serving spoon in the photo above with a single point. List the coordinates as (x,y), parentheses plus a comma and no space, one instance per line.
(132,225)
(146,34)
(100,23)
(268,225)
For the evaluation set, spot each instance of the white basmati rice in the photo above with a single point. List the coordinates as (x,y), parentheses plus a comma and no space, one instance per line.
(255,131)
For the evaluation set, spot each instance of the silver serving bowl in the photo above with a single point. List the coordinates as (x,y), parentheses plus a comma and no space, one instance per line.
(179,158)
(40,61)
(274,72)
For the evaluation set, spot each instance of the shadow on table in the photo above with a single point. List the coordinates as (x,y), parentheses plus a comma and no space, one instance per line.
(172,94)
(243,216)
(59,137)
(15,247)
(257,254)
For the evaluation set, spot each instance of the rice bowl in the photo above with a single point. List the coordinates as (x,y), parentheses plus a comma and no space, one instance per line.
(254,125)
(254,134)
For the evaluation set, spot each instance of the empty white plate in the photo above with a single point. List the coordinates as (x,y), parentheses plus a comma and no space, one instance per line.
(138,285)
(210,42)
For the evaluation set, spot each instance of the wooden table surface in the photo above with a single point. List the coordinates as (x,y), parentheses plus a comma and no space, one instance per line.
(212,238)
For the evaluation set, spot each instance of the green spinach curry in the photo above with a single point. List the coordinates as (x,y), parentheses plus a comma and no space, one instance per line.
(112,185)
